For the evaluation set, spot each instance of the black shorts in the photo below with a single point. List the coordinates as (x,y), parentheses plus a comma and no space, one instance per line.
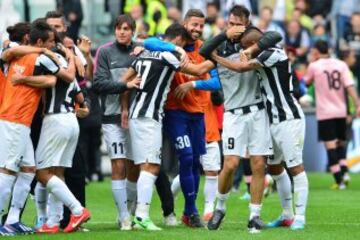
(332,129)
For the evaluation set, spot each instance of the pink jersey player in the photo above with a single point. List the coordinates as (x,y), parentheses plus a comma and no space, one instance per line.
(331,76)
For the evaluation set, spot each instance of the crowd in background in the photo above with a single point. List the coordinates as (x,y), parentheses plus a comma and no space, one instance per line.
(301,23)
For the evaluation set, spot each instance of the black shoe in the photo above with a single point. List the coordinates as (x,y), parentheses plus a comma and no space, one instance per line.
(195,221)
(215,221)
(255,225)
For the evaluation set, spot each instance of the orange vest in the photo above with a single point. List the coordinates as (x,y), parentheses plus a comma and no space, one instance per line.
(19,103)
(2,85)
(194,101)
(211,123)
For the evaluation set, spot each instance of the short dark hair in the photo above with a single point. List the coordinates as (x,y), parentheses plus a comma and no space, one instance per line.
(212,4)
(125,18)
(322,46)
(194,13)
(175,30)
(54,14)
(240,11)
(39,30)
(18,31)
(251,34)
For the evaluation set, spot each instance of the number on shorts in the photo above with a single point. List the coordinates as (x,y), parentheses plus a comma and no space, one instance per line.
(182,142)
(231,143)
(115,146)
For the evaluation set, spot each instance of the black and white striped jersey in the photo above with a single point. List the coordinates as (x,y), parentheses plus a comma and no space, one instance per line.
(276,86)
(61,97)
(157,70)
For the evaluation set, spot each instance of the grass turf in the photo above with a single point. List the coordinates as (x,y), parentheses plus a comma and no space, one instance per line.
(331,214)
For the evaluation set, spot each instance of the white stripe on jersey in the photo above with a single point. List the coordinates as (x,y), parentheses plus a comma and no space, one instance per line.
(52,103)
(164,96)
(274,58)
(49,64)
(276,81)
(150,110)
(138,104)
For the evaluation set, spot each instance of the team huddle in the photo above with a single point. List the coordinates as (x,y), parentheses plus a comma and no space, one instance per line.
(153,94)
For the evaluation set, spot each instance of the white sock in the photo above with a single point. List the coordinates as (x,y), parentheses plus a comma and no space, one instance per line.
(118,188)
(146,183)
(221,201)
(210,188)
(131,192)
(6,184)
(301,191)
(20,193)
(175,186)
(55,211)
(41,198)
(57,187)
(255,210)
(283,184)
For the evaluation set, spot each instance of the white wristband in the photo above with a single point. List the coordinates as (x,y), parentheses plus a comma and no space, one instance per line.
(193,83)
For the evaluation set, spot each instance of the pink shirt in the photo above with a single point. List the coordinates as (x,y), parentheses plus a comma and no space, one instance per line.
(331,77)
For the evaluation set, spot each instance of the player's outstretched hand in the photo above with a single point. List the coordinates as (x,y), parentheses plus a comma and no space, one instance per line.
(235,32)
(214,55)
(125,119)
(244,57)
(79,66)
(183,89)
(246,54)
(183,56)
(82,112)
(137,51)
(135,83)
(84,44)
(17,78)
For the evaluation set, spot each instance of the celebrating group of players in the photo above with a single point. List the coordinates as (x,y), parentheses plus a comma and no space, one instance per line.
(149,90)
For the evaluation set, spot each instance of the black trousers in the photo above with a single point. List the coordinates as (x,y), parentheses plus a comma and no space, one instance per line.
(163,188)
(91,137)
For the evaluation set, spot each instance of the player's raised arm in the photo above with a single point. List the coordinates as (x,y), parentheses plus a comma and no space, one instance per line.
(19,51)
(237,66)
(67,74)
(197,69)
(212,84)
(131,79)
(210,45)
(42,81)
(268,40)
(128,78)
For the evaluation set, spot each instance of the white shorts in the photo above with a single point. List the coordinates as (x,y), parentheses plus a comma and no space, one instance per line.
(58,139)
(247,133)
(117,141)
(288,141)
(146,140)
(16,148)
(211,160)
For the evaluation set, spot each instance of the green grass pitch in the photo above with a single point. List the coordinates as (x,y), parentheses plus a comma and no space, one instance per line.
(330,215)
